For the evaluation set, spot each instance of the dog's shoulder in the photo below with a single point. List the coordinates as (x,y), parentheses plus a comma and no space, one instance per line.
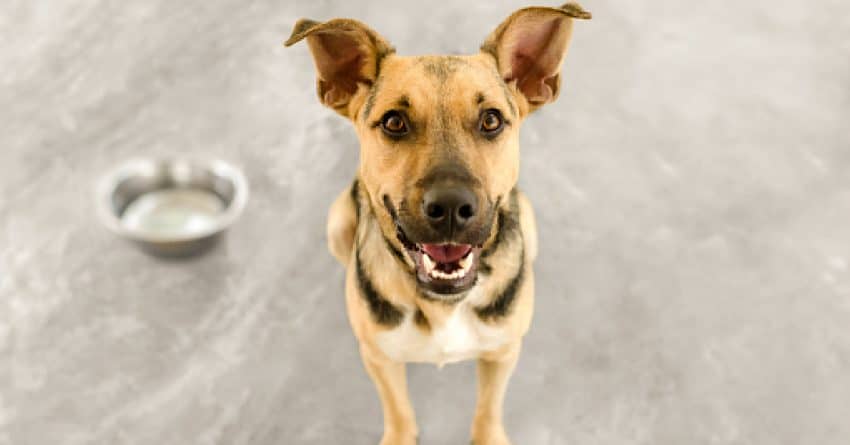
(342,223)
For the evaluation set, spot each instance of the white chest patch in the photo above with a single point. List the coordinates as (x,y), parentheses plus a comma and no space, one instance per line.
(462,336)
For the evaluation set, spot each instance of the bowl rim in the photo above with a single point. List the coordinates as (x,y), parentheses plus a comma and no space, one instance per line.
(105,189)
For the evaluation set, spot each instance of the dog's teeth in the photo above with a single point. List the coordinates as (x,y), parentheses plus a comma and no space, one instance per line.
(439,274)
(466,263)
(428,263)
(430,267)
(453,275)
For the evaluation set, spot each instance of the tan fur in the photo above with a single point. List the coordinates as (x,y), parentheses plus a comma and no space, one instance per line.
(342,224)
(360,77)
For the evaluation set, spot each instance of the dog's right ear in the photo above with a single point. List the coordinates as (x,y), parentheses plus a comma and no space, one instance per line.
(346,53)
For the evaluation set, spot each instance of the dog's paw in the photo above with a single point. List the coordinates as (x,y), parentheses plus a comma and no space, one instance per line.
(395,438)
(491,441)
(493,435)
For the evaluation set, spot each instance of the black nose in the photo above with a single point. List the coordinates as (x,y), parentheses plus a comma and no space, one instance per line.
(449,207)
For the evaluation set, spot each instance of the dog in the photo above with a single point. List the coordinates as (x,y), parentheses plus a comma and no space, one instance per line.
(437,241)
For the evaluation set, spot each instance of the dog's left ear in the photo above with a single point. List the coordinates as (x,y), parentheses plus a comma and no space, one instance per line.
(529,48)
(346,53)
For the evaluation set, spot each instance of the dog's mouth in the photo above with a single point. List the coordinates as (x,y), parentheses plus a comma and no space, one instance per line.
(446,268)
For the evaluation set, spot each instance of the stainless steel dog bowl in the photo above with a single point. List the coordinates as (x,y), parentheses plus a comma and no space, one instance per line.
(172,207)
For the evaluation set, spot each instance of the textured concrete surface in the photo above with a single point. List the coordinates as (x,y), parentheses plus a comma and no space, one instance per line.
(692,186)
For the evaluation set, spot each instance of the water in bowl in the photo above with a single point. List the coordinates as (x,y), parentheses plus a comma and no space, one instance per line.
(171,213)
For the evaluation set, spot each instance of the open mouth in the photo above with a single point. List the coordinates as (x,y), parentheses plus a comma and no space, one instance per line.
(446,268)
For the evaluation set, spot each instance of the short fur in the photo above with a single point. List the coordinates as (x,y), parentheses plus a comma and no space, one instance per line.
(374,224)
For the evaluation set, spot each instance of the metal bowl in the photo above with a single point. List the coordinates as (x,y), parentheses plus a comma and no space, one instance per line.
(172,207)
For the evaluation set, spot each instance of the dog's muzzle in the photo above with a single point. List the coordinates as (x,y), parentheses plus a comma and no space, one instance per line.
(445,242)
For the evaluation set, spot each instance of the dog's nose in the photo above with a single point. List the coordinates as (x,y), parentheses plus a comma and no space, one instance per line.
(449,208)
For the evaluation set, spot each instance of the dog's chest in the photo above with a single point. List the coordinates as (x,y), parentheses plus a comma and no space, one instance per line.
(461,336)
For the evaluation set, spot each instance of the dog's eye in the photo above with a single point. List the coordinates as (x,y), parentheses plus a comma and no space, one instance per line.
(490,123)
(394,124)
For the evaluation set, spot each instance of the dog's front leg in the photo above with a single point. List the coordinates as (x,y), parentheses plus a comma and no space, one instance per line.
(494,371)
(391,381)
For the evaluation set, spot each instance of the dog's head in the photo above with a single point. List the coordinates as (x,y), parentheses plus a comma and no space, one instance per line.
(439,135)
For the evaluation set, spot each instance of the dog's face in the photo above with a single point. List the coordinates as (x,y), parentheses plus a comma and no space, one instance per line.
(439,134)
(439,143)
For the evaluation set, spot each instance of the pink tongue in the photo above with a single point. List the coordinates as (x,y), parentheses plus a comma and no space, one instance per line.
(446,253)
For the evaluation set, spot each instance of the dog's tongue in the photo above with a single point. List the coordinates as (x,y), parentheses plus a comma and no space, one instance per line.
(446,253)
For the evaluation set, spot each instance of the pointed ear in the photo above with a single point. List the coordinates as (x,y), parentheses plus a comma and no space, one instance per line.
(347,53)
(529,48)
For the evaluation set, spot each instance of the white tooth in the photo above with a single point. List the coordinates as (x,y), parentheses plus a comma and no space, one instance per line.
(428,263)
(430,268)
(466,262)
(439,274)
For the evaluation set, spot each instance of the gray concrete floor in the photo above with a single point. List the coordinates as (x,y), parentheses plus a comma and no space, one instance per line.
(692,186)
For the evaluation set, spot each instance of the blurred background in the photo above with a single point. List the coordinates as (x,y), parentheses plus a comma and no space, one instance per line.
(692,187)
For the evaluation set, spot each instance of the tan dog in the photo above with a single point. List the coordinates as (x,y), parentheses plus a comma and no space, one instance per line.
(437,242)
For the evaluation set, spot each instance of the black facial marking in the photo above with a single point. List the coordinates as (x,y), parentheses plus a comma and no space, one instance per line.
(503,303)
(508,225)
(355,198)
(390,207)
(370,99)
(402,238)
(479,99)
(400,235)
(500,236)
(394,250)
(420,320)
(383,312)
